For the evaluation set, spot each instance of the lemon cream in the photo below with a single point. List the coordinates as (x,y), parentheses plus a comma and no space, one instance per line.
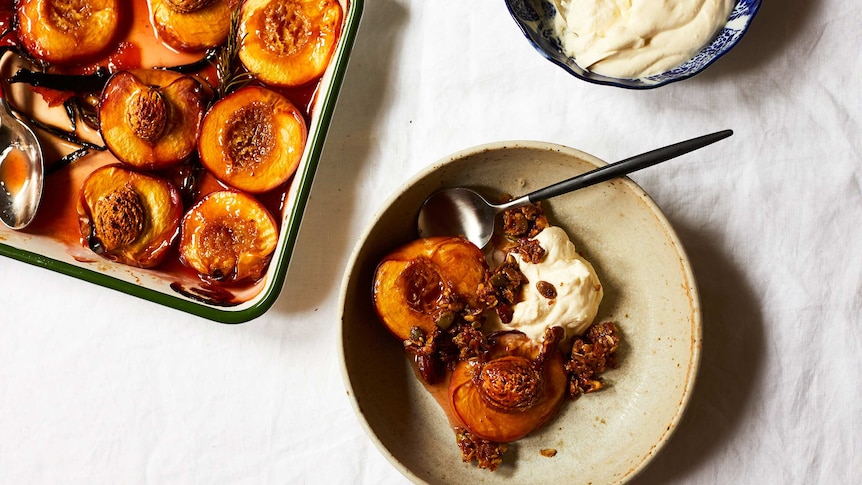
(562,290)
(637,38)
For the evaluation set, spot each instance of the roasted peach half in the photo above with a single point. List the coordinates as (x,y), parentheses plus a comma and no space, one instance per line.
(288,43)
(411,282)
(192,25)
(68,31)
(252,139)
(228,237)
(511,394)
(151,118)
(128,216)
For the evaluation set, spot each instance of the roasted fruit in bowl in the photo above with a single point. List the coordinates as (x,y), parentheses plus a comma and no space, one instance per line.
(228,237)
(288,43)
(192,25)
(252,139)
(151,118)
(128,216)
(516,390)
(68,31)
(425,282)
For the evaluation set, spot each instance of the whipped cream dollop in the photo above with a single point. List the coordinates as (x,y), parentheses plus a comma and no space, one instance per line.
(637,38)
(576,293)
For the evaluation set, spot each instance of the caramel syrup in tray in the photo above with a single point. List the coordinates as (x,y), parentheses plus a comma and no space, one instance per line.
(56,227)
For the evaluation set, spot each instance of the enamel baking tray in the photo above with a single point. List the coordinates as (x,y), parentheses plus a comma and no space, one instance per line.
(42,247)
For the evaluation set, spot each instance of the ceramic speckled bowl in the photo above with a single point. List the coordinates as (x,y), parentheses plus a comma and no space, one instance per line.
(536,18)
(603,437)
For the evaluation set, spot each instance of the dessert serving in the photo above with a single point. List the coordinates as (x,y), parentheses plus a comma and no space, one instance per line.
(506,377)
(506,386)
(178,154)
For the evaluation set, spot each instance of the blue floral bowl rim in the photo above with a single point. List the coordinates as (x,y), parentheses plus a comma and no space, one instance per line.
(638,83)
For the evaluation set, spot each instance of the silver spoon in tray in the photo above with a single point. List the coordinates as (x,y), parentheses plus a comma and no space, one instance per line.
(462,212)
(21,170)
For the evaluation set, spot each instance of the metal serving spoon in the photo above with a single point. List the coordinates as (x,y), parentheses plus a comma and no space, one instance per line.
(463,212)
(21,169)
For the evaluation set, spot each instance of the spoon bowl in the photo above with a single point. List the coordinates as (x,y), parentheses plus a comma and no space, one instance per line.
(21,170)
(458,211)
(462,212)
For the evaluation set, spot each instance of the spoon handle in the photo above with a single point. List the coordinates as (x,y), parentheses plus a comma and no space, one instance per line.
(629,165)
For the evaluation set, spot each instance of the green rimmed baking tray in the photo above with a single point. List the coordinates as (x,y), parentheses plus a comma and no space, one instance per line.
(155,286)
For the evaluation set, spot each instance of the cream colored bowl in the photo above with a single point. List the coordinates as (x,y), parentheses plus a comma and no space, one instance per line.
(603,437)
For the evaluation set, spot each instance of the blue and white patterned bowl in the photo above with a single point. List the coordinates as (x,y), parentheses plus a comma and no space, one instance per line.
(536,19)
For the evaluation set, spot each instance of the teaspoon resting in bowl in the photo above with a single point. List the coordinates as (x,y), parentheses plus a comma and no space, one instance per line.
(462,212)
(21,170)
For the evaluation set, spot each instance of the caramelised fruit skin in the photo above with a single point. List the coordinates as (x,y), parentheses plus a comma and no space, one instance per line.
(128,216)
(192,25)
(289,43)
(252,139)
(228,237)
(506,397)
(151,118)
(411,282)
(68,31)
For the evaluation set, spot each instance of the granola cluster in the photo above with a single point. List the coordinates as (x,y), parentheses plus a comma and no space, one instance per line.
(437,351)
(524,222)
(501,288)
(487,454)
(592,354)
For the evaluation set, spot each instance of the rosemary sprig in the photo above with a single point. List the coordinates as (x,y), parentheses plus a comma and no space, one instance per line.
(231,74)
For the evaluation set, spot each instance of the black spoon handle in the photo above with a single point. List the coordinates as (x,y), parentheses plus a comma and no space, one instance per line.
(627,166)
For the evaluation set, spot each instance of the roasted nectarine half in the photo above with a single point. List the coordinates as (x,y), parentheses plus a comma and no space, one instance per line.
(511,394)
(411,282)
(288,43)
(228,237)
(192,25)
(252,139)
(151,118)
(68,31)
(128,216)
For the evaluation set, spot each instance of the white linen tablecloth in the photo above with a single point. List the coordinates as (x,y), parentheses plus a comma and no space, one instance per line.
(100,387)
